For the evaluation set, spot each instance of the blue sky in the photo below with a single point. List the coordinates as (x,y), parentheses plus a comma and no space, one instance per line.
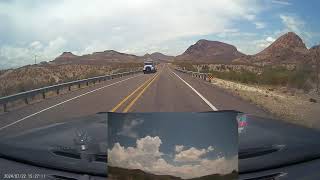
(181,144)
(48,28)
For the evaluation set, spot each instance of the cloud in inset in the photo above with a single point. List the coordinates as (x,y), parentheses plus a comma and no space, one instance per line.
(148,157)
(128,128)
(179,148)
(192,154)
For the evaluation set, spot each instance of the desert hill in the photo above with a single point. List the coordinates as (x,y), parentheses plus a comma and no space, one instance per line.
(205,51)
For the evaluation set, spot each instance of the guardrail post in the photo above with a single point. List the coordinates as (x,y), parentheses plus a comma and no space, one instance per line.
(69,88)
(58,91)
(44,95)
(26,101)
(79,85)
(4,107)
(87,83)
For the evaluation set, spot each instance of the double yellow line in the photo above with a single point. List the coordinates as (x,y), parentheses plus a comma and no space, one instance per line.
(142,87)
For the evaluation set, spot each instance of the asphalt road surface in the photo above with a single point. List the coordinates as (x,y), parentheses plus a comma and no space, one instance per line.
(165,91)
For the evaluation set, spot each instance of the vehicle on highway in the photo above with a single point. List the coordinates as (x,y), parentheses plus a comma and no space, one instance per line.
(275,150)
(149,67)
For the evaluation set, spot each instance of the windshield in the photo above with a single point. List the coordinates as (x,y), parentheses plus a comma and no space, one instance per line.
(64,62)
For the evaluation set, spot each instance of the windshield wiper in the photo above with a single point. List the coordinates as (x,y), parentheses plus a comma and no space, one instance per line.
(72,153)
(259,151)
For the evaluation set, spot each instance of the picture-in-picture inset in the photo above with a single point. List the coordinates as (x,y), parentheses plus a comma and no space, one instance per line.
(173,145)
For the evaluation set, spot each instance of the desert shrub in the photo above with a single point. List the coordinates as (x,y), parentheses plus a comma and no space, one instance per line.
(301,78)
(205,69)
(93,73)
(243,76)
(186,65)
(275,76)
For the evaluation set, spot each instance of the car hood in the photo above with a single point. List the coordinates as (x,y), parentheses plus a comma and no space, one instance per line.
(79,145)
(266,143)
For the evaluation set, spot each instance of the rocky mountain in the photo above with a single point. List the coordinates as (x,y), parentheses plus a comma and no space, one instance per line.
(205,51)
(65,57)
(97,58)
(315,49)
(107,57)
(287,49)
(159,57)
(315,54)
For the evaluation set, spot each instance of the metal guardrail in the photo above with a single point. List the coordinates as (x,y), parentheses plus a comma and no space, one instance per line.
(28,94)
(204,76)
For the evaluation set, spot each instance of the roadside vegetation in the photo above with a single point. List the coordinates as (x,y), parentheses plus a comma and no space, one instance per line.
(36,76)
(303,76)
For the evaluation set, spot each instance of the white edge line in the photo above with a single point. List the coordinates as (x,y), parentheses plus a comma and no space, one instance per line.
(200,95)
(76,97)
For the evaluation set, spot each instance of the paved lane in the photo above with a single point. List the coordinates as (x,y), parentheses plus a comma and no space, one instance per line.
(169,94)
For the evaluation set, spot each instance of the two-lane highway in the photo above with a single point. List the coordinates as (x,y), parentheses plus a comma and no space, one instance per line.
(166,90)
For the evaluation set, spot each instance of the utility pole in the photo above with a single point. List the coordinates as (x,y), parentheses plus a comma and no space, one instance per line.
(317,59)
(35,59)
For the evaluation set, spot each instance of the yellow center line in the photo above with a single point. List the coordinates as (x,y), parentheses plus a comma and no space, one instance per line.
(139,95)
(126,98)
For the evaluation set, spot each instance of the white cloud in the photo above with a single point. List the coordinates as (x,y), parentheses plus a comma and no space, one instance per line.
(179,148)
(138,26)
(13,55)
(192,154)
(270,39)
(147,157)
(250,17)
(36,45)
(54,47)
(281,2)
(128,128)
(263,43)
(292,23)
(260,25)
